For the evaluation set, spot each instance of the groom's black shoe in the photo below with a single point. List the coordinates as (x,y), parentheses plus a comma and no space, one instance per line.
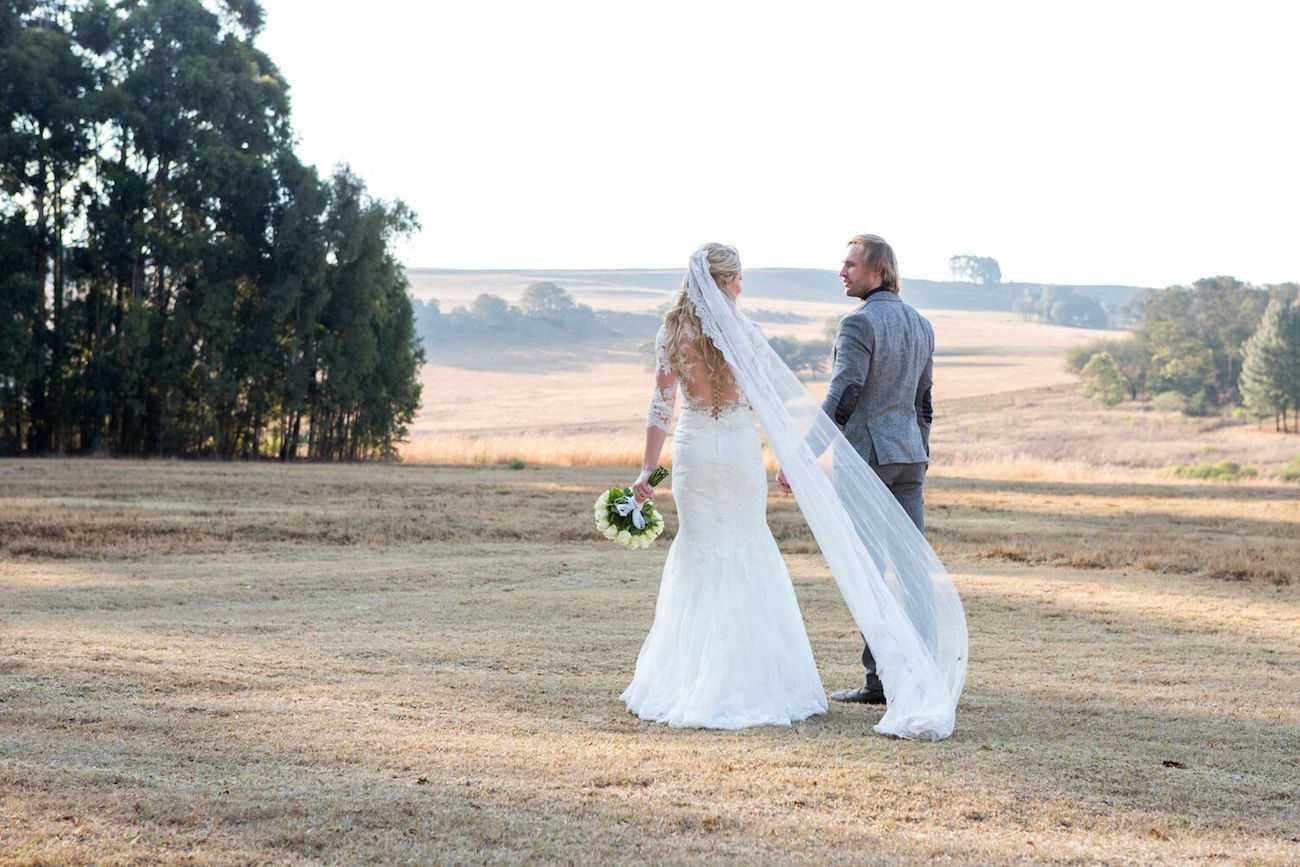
(871,692)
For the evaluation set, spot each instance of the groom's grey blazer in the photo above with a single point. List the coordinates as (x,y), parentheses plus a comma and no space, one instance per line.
(880,380)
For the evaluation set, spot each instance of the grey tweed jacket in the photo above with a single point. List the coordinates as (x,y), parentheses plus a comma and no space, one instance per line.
(881,375)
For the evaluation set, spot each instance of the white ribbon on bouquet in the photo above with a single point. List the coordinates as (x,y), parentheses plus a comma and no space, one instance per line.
(631,505)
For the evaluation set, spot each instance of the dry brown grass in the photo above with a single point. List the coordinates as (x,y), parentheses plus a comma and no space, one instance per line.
(234,663)
(1006,408)
(586,405)
(1054,434)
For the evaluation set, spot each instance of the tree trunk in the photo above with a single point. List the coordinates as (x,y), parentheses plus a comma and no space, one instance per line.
(39,430)
(58,410)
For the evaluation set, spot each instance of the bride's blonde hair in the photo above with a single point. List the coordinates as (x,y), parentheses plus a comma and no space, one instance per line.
(683,323)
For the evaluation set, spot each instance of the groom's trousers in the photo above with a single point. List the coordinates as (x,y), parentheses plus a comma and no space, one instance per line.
(906,482)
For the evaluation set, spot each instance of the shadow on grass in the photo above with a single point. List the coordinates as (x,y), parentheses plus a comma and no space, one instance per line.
(1102,490)
(482,717)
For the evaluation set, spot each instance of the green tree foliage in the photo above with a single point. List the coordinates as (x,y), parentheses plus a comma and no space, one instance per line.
(1102,381)
(1061,305)
(1196,335)
(802,356)
(174,280)
(1130,356)
(491,313)
(543,305)
(1270,374)
(547,302)
(975,269)
(1208,347)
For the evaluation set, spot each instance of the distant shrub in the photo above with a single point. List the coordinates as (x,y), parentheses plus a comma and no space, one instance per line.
(1291,472)
(810,356)
(542,304)
(1220,471)
(1129,355)
(1060,305)
(1169,401)
(1101,381)
(778,317)
(1078,356)
(516,464)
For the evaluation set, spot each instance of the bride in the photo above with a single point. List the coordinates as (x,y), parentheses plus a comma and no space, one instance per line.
(728,648)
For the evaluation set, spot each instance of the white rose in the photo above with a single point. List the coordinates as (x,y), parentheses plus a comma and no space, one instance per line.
(624,537)
(602,523)
(610,532)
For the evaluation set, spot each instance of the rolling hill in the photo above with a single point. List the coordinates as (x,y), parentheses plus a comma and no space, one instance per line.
(799,284)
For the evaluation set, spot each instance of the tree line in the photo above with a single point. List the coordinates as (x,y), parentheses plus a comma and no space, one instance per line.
(173,279)
(1061,305)
(1218,345)
(1058,305)
(975,269)
(542,303)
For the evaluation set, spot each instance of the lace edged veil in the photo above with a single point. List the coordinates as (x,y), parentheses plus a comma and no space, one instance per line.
(899,594)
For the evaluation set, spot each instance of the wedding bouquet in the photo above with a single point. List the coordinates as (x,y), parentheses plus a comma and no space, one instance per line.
(632,524)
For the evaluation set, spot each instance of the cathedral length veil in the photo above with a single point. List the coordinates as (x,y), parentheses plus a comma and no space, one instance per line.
(898,592)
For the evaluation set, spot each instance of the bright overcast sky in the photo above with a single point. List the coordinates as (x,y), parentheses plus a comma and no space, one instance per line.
(1147,143)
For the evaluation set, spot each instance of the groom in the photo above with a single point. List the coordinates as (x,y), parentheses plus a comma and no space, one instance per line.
(880,393)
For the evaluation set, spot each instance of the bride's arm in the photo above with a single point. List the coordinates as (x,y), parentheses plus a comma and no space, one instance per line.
(660,418)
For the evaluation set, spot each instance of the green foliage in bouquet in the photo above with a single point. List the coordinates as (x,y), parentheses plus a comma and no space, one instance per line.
(621,527)
(624,522)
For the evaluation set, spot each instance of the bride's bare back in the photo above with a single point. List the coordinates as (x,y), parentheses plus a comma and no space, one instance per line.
(686,367)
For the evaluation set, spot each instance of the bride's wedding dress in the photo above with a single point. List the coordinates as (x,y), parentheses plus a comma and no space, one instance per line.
(728,648)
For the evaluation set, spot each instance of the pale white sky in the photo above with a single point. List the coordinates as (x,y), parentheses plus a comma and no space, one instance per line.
(1134,142)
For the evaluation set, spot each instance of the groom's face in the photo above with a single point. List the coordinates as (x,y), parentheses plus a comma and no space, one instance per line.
(857,278)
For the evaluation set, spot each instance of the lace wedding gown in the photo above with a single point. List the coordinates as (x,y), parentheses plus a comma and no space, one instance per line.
(728,647)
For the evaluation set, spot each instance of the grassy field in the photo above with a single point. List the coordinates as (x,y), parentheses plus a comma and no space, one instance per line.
(419,663)
(241,663)
(587,405)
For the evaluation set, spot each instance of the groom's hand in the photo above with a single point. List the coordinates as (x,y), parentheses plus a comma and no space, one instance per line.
(782,483)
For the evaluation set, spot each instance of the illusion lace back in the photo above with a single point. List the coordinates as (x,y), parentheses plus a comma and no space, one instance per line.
(686,367)
(728,647)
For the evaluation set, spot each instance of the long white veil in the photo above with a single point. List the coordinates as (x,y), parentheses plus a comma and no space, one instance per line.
(898,592)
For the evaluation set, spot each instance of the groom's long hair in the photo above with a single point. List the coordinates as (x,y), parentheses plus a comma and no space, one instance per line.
(877,255)
(683,323)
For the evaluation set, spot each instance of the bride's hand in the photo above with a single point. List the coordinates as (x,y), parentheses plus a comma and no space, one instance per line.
(641,487)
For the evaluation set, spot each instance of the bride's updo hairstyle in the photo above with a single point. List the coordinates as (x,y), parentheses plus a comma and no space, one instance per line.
(683,323)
